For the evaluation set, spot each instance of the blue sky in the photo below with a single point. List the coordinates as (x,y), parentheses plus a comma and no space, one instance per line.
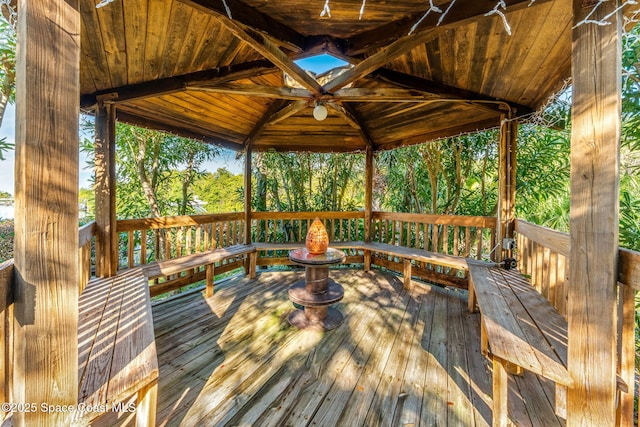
(317,64)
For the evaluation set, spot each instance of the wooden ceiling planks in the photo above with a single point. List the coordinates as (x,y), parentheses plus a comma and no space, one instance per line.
(130,47)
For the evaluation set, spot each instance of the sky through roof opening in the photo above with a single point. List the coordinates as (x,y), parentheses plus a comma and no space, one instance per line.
(319,64)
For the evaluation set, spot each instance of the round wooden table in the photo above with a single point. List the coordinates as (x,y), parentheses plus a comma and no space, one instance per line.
(317,291)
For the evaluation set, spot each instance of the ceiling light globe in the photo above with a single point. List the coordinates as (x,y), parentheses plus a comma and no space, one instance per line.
(320,112)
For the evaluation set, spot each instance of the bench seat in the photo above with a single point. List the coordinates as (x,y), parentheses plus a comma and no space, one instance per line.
(520,330)
(207,259)
(407,254)
(117,357)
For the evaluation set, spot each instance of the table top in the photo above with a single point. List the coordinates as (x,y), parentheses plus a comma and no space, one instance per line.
(302,256)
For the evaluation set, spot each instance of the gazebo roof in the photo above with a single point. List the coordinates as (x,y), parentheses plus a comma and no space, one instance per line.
(186,67)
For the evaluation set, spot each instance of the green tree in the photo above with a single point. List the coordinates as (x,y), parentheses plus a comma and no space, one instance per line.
(222,191)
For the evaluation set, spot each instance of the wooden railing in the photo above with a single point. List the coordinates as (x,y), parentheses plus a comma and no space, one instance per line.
(543,255)
(6,330)
(86,255)
(466,236)
(152,239)
(291,227)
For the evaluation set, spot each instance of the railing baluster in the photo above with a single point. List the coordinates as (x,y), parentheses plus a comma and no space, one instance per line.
(130,249)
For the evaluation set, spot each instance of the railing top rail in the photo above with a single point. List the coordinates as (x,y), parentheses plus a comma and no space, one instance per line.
(175,221)
(556,241)
(308,215)
(463,220)
(6,281)
(86,233)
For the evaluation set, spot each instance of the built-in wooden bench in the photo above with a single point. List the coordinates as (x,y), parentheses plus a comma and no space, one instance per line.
(407,254)
(520,330)
(412,254)
(117,357)
(206,259)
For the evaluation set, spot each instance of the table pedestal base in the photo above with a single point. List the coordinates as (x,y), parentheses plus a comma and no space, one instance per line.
(332,320)
(316,292)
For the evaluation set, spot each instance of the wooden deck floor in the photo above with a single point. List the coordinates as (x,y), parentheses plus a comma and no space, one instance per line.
(399,358)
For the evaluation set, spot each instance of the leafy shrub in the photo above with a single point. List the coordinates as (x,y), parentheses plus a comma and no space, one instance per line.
(6,239)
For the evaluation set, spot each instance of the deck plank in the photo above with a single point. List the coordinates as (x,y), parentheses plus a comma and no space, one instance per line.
(400,358)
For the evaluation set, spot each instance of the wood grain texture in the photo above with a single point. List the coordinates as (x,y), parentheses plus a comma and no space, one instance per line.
(399,356)
(595,152)
(117,352)
(46,208)
(141,52)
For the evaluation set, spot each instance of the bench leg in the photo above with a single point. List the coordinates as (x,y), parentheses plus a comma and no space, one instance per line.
(253,259)
(407,274)
(210,269)
(472,297)
(367,260)
(484,340)
(146,406)
(500,394)
(561,401)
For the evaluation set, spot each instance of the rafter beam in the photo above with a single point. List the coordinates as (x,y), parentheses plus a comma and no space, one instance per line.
(287,111)
(160,125)
(350,115)
(462,12)
(411,82)
(260,91)
(251,17)
(259,40)
(379,59)
(177,83)
(263,122)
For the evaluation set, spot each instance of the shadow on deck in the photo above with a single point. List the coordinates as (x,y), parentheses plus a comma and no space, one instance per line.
(399,358)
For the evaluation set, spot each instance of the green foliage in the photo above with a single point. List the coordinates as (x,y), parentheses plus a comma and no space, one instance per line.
(455,176)
(155,171)
(222,191)
(6,240)
(5,195)
(308,182)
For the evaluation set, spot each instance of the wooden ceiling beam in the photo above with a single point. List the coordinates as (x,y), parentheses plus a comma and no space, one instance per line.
(351,116)
(251,17)
(441,133)
(258,37)
(287,111)
(378,59)
(260,91)
(160,125)
(263,122)
(411,82)
(177,83)
(462,12)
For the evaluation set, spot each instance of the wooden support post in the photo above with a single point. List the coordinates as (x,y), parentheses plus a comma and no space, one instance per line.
(247,205)
(368,193)
(500,394)
(506,184)
(46,210)
(105,191)
(595,147)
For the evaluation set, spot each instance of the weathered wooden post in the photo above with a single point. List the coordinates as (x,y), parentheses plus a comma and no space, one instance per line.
(506,184)
(105,191)
(595,143)
(46,211)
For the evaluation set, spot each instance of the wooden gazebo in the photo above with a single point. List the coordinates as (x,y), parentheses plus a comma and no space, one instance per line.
(224,72)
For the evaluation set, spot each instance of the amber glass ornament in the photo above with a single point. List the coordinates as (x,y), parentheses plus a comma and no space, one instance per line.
(317,238)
